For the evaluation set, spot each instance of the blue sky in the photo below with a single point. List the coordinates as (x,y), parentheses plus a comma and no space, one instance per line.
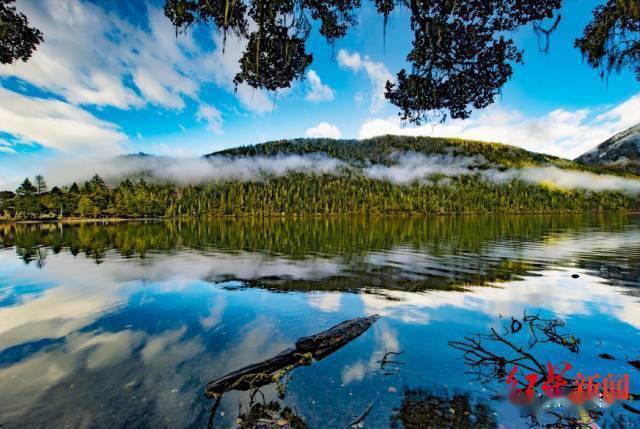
(113,79)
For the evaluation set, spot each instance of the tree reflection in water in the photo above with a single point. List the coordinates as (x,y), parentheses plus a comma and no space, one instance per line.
(495,358)
(422,409)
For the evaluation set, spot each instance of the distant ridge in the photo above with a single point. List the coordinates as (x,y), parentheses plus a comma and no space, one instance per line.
(137,155)
(620,151)
(382,149)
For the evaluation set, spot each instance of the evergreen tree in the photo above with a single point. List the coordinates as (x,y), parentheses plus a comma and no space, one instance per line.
(27,203)
(86,208)
(6,195)
(41,184)
(26,189)
(97,183)
(348,191)
(99,192)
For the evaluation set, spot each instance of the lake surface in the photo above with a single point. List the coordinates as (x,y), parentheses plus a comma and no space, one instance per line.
(123,324)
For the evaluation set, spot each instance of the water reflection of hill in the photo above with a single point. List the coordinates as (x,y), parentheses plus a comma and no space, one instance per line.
(409,254)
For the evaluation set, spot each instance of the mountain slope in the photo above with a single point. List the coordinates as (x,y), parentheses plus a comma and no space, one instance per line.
(381,150)
(385,150)
(389,175)
(620,151)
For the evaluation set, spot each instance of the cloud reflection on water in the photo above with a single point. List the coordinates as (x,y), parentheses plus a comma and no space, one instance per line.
(151,331)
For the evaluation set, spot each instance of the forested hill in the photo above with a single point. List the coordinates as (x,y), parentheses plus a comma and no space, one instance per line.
(384,150)
(316,177)
(380,150)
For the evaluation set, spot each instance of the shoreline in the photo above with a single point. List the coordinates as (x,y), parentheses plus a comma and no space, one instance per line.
(308,216)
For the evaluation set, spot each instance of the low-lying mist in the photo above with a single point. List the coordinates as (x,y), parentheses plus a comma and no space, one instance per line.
(405,168)
(411,167)
(185,171)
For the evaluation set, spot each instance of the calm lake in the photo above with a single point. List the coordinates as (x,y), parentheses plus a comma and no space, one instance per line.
(123,324)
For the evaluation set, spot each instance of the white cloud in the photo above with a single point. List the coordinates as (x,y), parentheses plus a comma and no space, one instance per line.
(154,91)
(57,125)
(89,55)
(327,302)
(255,100)
(386,340)
(158,344)
(350,61)
(94,57)
(211,116)
(317,90)
(354,372)
(570,179)
(224,63)
(562,132)
(624,115)
(323,129)
(377,72)
(592,296)
(77,60)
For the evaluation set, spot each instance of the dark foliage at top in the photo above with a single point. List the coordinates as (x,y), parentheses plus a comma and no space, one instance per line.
(275,54)
(610,42)
(17,39)
(460,59)
(461,56)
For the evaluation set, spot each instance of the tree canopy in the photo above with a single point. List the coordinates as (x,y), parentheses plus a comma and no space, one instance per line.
(461,56)
(610,42)
(17,39)
(41,184)
(462,52)
(26,188)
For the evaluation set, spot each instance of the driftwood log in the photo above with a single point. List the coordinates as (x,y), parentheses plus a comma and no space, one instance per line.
(315,347)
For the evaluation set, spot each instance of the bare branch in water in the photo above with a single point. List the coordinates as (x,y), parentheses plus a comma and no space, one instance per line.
(361,417)
(278,370)
(387,361)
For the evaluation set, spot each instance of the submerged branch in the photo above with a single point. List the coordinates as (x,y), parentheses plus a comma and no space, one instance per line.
(307,349)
